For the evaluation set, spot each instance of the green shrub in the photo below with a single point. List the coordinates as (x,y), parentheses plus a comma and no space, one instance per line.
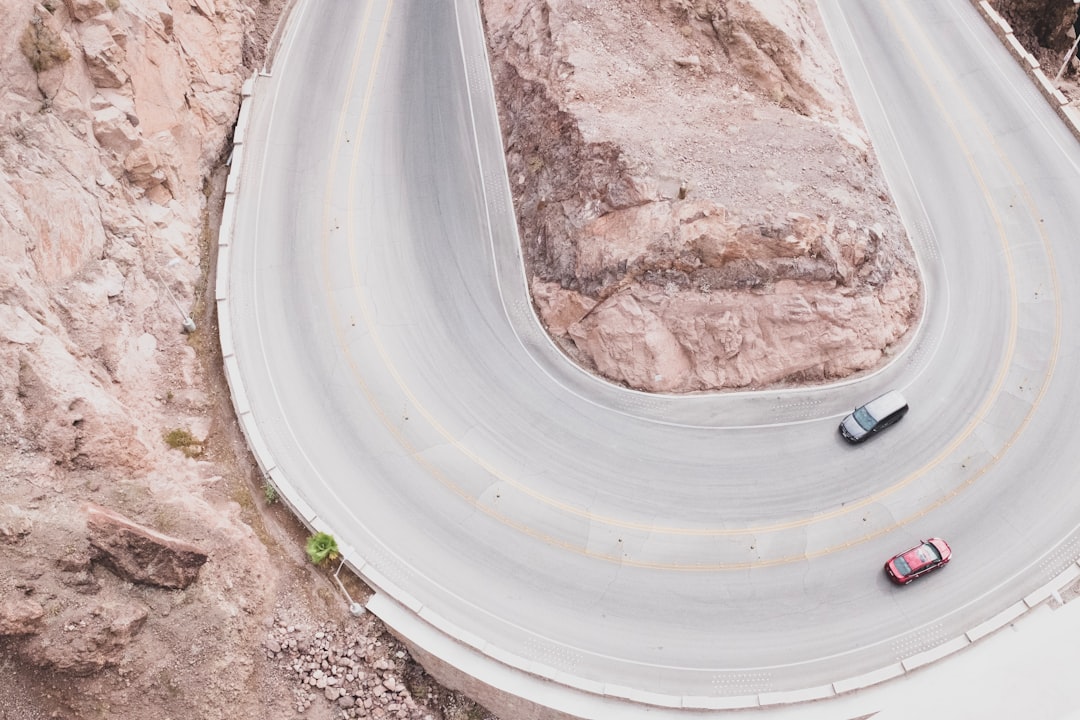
(43,48)
(321,547)
(270,493)
(184,441)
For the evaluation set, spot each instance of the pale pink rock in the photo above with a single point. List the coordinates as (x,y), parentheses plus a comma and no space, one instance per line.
(20,615)
(15,524)
(143,167)
(629,343)
(59,219)
(705,180)
(625,236)
(206,7)
(559,308)
(114,132)
(104,198)
(83,10)
(104,56)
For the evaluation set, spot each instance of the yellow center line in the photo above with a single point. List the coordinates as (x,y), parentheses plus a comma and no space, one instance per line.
(341,329)
(1030,203)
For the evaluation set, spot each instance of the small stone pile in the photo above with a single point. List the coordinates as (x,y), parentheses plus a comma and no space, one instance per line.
(357,674)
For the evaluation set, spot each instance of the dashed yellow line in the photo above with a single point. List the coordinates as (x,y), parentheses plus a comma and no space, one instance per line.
(340,329)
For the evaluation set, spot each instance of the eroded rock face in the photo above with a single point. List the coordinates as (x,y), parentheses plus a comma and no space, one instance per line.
(141,555)
(104,151)
(697,206)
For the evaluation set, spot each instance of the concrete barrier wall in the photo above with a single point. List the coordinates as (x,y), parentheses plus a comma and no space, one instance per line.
(260,448)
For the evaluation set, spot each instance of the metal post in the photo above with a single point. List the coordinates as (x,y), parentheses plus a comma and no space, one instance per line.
(189,323)
(1068,58)
(355,608)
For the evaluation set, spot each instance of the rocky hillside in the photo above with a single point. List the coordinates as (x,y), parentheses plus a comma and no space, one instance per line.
(699,205)
(700,210)
(139,575)
(114,115)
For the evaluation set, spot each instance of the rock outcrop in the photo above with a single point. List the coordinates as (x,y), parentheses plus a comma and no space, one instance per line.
(697,203)
(139,554)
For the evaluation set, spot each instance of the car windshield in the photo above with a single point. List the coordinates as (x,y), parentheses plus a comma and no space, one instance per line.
(916,558)
(927,553)
(865,419)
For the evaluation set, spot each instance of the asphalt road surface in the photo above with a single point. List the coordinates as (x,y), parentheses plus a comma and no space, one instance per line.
(709,547)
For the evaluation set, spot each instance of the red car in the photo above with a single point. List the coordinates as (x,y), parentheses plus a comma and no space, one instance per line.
(919,560)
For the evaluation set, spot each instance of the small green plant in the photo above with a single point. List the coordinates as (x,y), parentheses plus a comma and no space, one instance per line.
(322,547)
(42,47)
(113,5)
(184,441)
(270,493)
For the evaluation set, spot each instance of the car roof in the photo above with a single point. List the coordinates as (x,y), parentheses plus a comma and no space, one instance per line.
(916,557)
(888,403)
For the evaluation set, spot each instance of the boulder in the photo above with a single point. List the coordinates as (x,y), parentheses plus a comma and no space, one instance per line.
(629,343)
(89,642)
(559,308)
(83,10)
(19,615)
(141,555)
(114,131)
(143,168)
(104,57)
(14,523)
